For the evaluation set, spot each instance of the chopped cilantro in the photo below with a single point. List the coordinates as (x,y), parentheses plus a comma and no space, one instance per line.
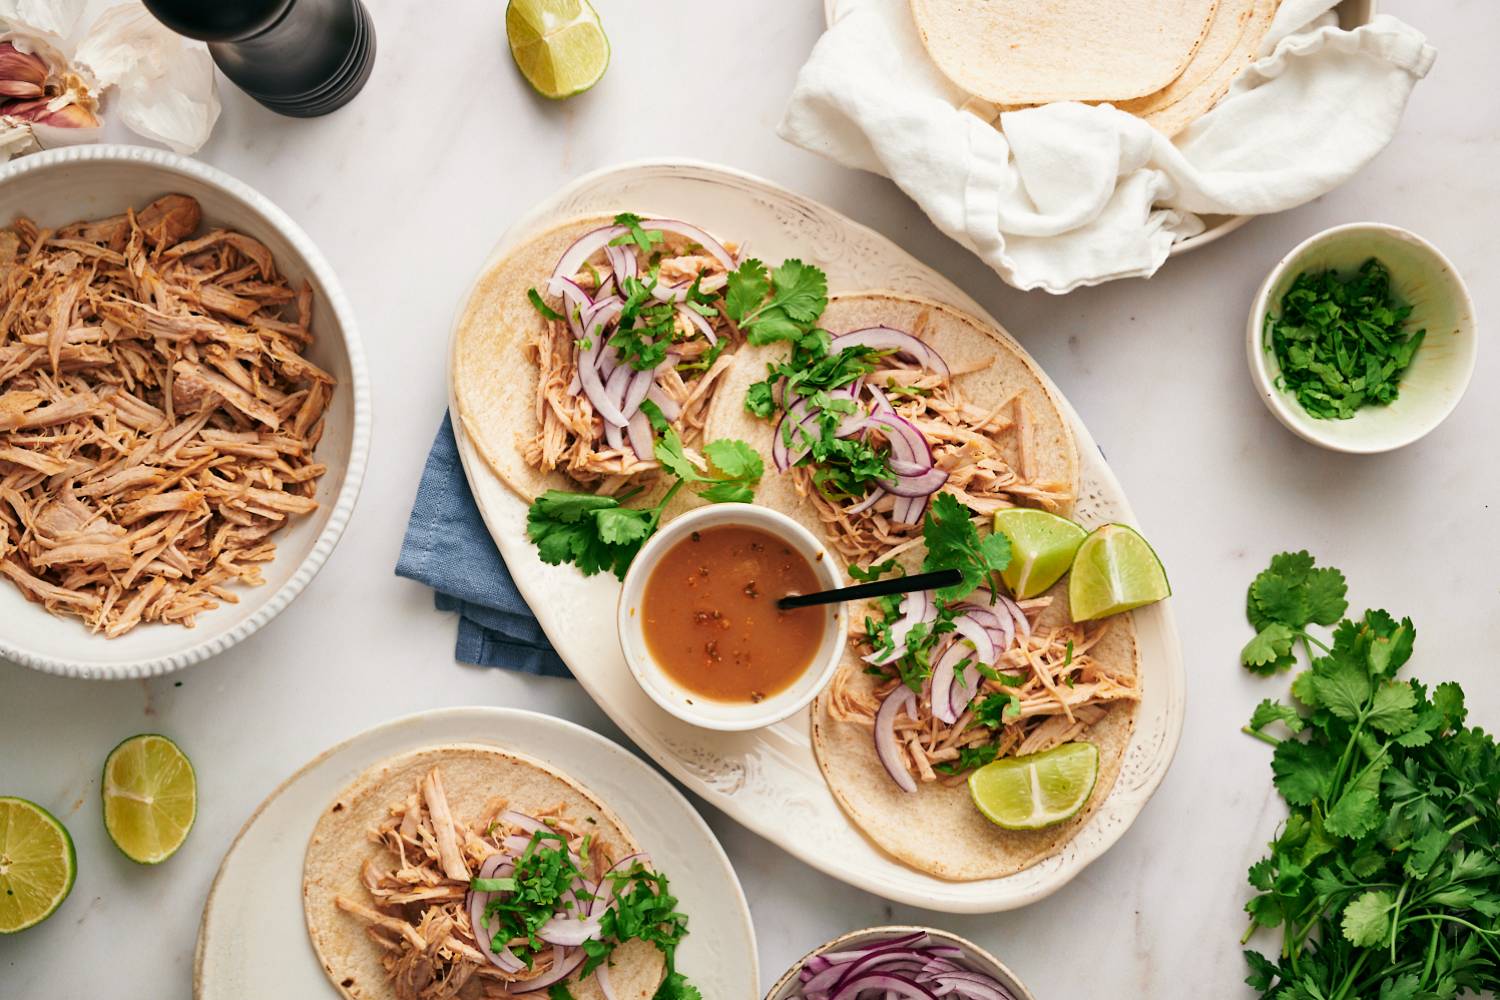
(542,307)
(1339,341)
(643,238)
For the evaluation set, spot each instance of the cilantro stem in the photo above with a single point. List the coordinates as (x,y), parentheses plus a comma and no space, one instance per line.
(1463,826)
(1263,737)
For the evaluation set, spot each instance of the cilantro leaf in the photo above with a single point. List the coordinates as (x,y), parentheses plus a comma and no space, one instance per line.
(954,543)
(798,294)
(536,303)
(1367,920)
(747,287)
(1269,711)
(1271,649)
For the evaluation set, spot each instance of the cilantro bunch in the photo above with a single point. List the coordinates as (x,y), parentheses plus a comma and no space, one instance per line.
(1340,343)
(782,304)
(598,533)
(1384,880)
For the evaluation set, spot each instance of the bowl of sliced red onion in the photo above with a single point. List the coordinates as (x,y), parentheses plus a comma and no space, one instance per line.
(907,963)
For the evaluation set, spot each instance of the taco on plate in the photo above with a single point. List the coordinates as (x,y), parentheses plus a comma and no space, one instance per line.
(900,400)
(471,872)
(573,342)
(929,691)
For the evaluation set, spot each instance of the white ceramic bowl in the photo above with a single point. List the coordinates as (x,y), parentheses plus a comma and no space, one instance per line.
(89,182)
(1440,371)
(706,712)
(975,957)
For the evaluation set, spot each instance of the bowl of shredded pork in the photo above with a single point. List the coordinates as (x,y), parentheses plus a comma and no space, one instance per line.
(184,413)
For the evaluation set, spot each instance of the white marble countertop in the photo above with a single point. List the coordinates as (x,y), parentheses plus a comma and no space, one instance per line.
(408,188)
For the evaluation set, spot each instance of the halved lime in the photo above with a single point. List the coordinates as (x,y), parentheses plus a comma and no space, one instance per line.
(1042,546)
(1115,570)
(559,45)
(150,798)
(1040,789)
(37,864)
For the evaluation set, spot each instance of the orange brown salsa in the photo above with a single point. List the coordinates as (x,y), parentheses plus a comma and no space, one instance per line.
(710,618)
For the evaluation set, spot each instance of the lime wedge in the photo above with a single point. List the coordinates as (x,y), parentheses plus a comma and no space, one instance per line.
(1115,571)
(1028,793)
(37,864)
(1042,546)
(150,798)
(558,45)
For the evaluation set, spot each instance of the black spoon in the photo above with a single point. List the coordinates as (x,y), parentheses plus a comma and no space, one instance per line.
(879,588)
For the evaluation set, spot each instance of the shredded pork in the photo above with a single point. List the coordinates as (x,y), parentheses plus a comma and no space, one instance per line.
(1065,690)
(157,416)
(571,436)
(968,442)
(415,908)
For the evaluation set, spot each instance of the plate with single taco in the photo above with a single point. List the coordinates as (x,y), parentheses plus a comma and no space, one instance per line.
(476,853)
(684,395)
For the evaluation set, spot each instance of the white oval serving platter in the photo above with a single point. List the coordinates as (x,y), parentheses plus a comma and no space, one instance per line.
(768,779)
(253,939)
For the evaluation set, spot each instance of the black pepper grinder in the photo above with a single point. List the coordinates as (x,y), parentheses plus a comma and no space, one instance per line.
(297,57)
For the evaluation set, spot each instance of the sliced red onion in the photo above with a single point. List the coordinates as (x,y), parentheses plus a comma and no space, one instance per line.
(1023,625)
(640,384)
(622,262)
(914,608)
(918,486)
(886,747)
(884,338)
(904,968)
(578,254)
(613,436)
(494,866)
(569,932)
(692,233)
(593,388)
(882,403)
(908,510)
(893,985)
(606,891)
(699,322)
(601,976)
(670,410)
(641,440)
(942,680)
(871,498)
(908,444)
(1002,627)
(589,317)
(972,630)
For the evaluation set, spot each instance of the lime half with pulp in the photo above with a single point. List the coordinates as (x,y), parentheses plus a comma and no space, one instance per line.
(1040,789)
(37,864)
(1042,547)
(559,45)
(1115,570)
(150,798)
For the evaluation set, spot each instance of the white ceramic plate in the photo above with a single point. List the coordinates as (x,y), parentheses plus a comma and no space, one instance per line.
(253,939)
(1352,13)
(92,182)
(768,779)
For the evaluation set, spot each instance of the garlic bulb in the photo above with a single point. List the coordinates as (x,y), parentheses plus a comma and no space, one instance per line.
(161,85)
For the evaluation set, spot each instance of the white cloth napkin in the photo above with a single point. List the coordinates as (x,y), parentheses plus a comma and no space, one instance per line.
(1070,194)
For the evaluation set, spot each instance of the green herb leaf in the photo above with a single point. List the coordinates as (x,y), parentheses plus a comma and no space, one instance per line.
(954,543)
(542,307)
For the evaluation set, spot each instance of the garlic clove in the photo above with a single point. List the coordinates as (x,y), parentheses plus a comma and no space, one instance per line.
(22,74)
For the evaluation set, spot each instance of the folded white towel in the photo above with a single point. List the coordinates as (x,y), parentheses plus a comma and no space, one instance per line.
(1071,194)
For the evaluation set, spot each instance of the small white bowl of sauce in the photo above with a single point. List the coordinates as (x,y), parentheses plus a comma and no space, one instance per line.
(699,623)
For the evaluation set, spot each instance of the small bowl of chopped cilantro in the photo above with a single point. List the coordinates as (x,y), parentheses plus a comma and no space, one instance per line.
(1362,339)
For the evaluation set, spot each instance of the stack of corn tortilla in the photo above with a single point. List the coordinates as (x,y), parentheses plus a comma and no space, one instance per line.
(1166,61)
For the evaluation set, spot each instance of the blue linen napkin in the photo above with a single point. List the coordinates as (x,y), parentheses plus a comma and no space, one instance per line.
(448,548)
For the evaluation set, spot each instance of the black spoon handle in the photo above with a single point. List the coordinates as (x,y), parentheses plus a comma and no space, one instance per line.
(878,588)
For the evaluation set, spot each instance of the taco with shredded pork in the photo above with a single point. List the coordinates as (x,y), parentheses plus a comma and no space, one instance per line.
(471,872)
(937,684)
(573,343)
(891,401)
